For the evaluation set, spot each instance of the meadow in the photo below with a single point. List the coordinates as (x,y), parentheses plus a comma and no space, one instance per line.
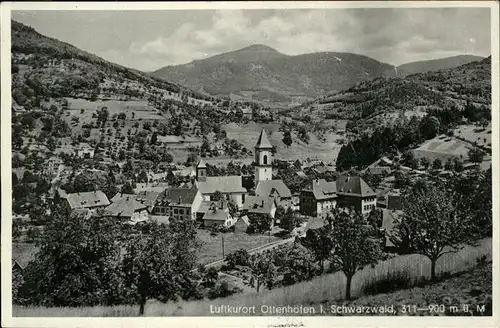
(248,135)
(212,245)
(325,288)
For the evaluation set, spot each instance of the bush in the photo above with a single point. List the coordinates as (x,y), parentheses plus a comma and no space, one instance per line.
(239,257)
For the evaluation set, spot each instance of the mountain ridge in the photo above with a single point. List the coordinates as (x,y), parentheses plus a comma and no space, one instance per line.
(259,72)
(423,66)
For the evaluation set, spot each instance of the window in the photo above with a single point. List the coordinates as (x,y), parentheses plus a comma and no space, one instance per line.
(187,211)
(176,211)
(181,211)
(265,159)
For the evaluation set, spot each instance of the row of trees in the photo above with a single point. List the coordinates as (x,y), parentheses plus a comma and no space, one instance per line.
(85,262)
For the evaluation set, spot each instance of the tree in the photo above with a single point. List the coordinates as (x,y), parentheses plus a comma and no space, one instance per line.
(142,177)
(476,155)
(238,257)
(51,143)
(288,218)
(437,164)
(159,260)
(216,196)
(127,188)
(262,271)
(287,138)
(298,266)
(77,264)
(154,138)
(354,244)
(319,243)
(205,147)
(432,223)
(259,223)
(424,162)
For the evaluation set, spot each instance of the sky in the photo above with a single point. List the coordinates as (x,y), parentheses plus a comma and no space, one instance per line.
(149,40)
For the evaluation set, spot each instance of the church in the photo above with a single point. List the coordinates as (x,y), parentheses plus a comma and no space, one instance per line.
(231,187)
(265,186)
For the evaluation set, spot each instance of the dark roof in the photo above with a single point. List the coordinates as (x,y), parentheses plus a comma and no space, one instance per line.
(181,196)
(124,206)
(263,142)
(256,204)
(214,212)
(147,197)
(266,188)
(322,189)
(353,186)
(224,184)
(87,199)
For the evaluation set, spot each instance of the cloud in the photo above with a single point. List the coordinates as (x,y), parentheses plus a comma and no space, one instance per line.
(149,40)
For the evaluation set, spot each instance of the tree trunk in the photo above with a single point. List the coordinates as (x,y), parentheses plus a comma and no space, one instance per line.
(348,287)
(142,304)
(322,266)
(433,269)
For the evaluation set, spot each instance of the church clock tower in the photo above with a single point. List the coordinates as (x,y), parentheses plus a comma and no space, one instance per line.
(263,158)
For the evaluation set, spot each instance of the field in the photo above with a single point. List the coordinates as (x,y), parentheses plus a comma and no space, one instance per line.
(473,133)
(443,147)
(326,288)
(212,249)
(316,149)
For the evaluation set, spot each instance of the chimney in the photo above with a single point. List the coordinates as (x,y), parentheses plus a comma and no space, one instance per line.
(180,199)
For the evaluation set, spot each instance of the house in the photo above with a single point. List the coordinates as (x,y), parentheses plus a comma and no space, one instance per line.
(216,214)
(260,205)
(320,198)
(147,198)
(355,192)
(84,150)
(178,203)
(247,112)
(126,207)
(231,187)
(276,189)
(151,187)
(91,200)
(53,165)
(185,172)
(241,224)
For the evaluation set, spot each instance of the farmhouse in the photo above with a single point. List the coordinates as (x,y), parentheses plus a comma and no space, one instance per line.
(320,198)
(91,200)
(230,186)
(178,203)
(125,207)
(53,165)
(84,150)
(260,205)
(216,214)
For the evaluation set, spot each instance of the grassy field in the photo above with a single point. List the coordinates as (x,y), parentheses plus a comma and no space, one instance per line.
(473,133)
(212,249)
(326,288)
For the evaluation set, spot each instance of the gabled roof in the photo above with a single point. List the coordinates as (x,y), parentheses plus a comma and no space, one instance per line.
(355,186)
(263,142)
(201,164)
(224,184)
(147,198)
(256,204)
(243,220)
(179,196)
(124,206)
(87,199)
(265,188)
(323,189)
(214,212)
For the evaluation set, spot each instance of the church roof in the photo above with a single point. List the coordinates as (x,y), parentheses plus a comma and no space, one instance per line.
(263,141)
(265,188)
(224,184)
(201,164)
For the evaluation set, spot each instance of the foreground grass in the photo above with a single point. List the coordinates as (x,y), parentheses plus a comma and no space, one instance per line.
(327,288)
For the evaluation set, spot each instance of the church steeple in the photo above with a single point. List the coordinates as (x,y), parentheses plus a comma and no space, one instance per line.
(201,171)
(263,158)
